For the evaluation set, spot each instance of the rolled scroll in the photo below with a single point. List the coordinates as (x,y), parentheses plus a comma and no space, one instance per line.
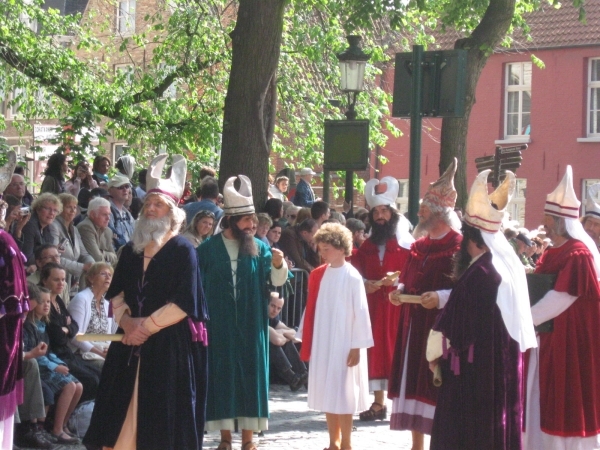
(404,298)
(99,337)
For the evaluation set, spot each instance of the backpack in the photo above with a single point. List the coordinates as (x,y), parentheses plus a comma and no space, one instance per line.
(79,421)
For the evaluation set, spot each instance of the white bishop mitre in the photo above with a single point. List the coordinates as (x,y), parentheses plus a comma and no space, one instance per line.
(562,202)
(171,187)
(592,208)
(486,211)
(238,203)
(387,198)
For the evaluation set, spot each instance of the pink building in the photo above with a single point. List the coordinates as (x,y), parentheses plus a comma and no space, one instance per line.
(555,110)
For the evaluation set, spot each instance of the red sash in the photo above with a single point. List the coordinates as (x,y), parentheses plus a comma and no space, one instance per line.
(314,283)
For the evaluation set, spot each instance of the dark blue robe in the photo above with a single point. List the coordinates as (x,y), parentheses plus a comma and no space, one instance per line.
(479,402)
(173,369)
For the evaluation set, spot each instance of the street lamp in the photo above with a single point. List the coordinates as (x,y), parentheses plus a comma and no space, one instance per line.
(352,67)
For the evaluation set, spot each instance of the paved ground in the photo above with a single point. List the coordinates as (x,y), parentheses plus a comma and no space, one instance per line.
(292,426)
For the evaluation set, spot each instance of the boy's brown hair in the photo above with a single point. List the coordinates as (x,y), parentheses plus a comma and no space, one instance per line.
(336,235)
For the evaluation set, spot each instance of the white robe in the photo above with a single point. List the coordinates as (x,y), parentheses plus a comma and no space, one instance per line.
(341,323)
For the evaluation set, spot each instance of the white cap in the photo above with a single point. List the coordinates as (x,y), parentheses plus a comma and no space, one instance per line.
(562,202)
(480,212)
(307,171)
(171,187)
(118,180)
(387,198)
(592,208)
(238,203)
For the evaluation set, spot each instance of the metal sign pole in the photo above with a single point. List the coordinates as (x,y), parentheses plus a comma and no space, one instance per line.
(414,178)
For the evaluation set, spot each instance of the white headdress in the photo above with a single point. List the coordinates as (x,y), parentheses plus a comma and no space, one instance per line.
(387,198)
(128,162)
(512,298)
(592,208)
(170,187)
(442,193)
(236,202)
(6,171)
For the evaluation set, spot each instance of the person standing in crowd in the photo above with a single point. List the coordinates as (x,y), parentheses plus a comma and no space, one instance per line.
(121,220)
(290,214)
(95,234)
(81,179)
(274,208)
(284,358)
(305,196)
(100,170)
(563,375)
(279,188)
(386,250)
(319,211)
(274,234)
(54,176)
(335,331)
(298,244)
(140,190)
(209,193)
(13,292)
(126,166)
(357,228)
(159,368)
(264,225)
(39,229)
(480,334)
(236,268)
(428,268)
(200,229)
(591,219)
(17,188)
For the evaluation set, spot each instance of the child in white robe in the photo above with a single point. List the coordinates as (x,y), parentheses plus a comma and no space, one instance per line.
(336,331)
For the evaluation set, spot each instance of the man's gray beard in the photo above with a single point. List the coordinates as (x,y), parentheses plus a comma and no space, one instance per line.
(422,229)
(148,230)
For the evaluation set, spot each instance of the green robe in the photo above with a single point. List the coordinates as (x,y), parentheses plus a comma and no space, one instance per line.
(238,338)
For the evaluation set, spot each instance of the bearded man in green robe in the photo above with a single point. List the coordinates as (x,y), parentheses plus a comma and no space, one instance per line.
(236,271)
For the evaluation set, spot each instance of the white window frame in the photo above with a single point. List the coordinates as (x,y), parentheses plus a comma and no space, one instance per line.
(118,150)
(13,110)
(585,184)
(517,206)
(520,88)
(402,199)
(592,85)
(125,17)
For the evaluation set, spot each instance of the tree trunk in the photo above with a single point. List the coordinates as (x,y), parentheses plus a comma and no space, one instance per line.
(488,35)
(251,101)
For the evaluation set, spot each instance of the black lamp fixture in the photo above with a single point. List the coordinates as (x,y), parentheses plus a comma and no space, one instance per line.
(352,67)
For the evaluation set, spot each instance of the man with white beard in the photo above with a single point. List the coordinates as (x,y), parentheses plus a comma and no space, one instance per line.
(159,367)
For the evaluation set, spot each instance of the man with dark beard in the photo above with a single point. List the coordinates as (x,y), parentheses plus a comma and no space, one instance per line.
(152,393)
(429,268)
(236,268)
(380,254)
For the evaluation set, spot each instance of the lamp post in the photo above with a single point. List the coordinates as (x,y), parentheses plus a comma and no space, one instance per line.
(352,68)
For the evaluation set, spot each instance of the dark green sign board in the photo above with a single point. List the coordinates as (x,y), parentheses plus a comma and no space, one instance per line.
(346,145)
(444,84)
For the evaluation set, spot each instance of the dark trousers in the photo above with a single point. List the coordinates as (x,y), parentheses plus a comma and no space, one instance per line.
(284,358)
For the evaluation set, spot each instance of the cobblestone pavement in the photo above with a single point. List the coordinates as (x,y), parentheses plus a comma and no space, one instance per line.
(293,426)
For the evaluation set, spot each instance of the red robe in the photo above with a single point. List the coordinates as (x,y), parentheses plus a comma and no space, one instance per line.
(428,268)
(384,315)
(570,355)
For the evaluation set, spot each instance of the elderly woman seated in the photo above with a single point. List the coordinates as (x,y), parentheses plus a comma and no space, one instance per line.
(89,309)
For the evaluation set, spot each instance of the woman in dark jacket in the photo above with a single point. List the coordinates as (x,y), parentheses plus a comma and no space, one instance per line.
(56,169)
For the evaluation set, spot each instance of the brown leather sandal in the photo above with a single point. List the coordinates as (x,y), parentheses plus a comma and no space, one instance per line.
(224,445)
(371,414)
(249,446)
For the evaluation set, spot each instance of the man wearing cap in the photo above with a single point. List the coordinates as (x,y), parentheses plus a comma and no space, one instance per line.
(563,375)
(591,219)
(121,220)
(479,335)
(521,245)
(153,389)
(429,268)
(236,268)
(380,254)
(305,196)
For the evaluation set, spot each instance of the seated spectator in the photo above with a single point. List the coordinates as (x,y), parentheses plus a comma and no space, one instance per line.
(74,257)
(16,216)
(95,234)
(121,220)
(201,228)
(89,309)
(303,214)
(209,194)
(284,358)
(338,217)
(264,224)
(54,372)
(18,188)
(279,188)
(297,244)
(44,254)
(319,211)
(62,329)
(38,230)
(274,234)
(274,208)
(81,179)
(140,190)
(100,170)
(290,215)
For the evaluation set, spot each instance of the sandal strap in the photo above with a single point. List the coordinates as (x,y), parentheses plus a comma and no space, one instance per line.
(252,446)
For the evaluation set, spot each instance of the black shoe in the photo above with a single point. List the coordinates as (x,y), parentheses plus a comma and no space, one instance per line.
(48,436)
(66,440)
(297,382)
(31,439)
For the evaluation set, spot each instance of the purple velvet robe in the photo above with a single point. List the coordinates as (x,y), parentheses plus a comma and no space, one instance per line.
(13,303)
(479,402)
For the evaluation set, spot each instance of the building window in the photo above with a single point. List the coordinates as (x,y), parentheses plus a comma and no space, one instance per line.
(126,16)
(16,101)
(517,102)
(593,127)
(119,149)
(125,70)
(585,185)
(402,200)
(516,207)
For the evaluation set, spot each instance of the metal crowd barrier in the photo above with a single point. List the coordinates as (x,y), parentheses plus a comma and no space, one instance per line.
(294,294)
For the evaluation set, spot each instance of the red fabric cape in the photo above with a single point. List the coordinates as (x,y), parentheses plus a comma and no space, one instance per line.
(570,355)
(314,282)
